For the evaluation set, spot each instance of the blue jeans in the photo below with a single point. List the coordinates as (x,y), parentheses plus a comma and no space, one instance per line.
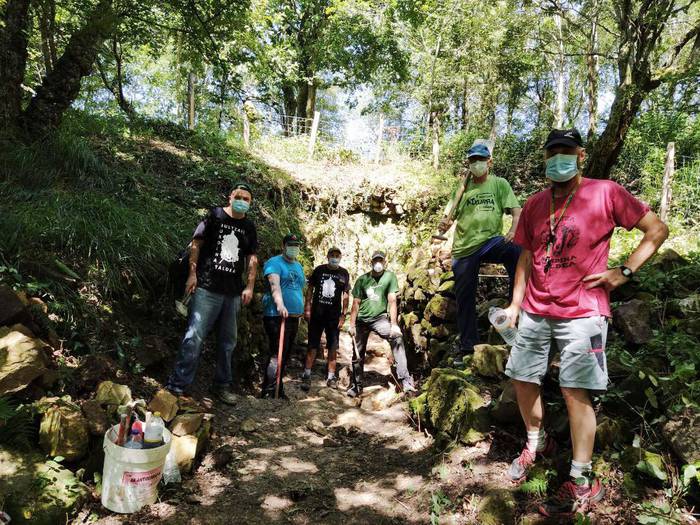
(466,272)
(206,307)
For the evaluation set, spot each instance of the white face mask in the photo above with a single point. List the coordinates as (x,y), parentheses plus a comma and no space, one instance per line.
(378,267)
(479,168)
(334,262)
(292,251)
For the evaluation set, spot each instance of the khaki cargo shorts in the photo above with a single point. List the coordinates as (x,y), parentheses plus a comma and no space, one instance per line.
(581,343)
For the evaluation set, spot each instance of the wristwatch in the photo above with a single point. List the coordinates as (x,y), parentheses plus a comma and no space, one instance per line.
(626,271)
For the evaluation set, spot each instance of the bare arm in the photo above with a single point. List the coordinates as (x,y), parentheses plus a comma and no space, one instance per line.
(353,314)
(195,249)
(276,291)
(247,294)
(522,274)
(655,233)
(393,310)
(515,212)
(344,311)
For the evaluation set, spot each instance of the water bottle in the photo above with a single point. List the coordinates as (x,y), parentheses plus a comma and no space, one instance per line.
(134,441)
(501,322)
(153,435)
(171,473)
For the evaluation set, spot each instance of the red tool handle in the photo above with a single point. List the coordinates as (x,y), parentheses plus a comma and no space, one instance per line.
(279,360)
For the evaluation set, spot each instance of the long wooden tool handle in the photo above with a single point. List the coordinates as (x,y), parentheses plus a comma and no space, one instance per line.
(455,205)
(280,351)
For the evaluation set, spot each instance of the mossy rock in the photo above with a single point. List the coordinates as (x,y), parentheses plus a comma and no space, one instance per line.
(409,319)
(454,405)
(441,308)
(438,350)
(609,432)
(497,507)
(37,491)
(447,276)
(490,360)
(447,288)
(418,405)
(438,331)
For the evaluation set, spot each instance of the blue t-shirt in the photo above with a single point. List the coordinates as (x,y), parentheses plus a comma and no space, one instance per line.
(292,282)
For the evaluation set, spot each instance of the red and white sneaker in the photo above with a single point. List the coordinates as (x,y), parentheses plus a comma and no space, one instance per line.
(574,496)
(519,467)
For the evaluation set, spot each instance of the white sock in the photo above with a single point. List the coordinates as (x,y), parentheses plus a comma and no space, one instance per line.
(307,372)
(535,440)
(331,375)
(578,468)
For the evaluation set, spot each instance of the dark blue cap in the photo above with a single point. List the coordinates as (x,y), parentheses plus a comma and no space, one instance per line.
(479,150)
(292,239)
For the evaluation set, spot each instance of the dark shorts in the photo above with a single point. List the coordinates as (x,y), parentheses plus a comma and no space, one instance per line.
(319,325)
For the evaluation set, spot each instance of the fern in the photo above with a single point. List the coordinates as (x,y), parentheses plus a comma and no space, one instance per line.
(16,424)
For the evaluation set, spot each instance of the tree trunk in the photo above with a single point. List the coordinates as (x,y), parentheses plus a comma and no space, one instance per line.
(559,107)
(592,73)
(13,50)
(222,103)
(45,28)
(124,104)
(289,104)
(436,139)
(190,100)
(61,87)
(311,100)
(605,151)
(465,107)
(302,98)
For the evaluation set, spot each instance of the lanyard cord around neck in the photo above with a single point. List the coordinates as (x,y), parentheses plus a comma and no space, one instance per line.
(554,224)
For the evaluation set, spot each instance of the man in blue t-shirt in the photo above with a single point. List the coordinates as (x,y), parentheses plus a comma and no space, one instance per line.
(284,299)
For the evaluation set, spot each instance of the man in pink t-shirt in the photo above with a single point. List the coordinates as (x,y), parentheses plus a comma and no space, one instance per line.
(561,293)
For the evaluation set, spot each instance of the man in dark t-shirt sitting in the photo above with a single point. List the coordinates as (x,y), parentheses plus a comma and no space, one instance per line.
(222,250)
(325,310)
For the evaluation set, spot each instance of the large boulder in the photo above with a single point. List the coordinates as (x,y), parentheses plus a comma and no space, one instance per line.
(112,394)
(441,308)
(497,506)
(668,260)
(36,491)
(682,433)
(452,405)
(489,360)
(63,430)
(418,338)
(11,306)
(633,320)
(22,359)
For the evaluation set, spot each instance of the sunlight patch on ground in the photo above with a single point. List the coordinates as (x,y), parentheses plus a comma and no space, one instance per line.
(297,466)
(404,482)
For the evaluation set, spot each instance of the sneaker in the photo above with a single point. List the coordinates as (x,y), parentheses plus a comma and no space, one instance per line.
(226,396)
(459,352)
(305,383)
(354,391)
(520,465)
(332,382)
(573,497)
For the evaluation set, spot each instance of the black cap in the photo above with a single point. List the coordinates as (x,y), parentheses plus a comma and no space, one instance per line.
(335,249)
(241,186)
(378,255)
(564,137)
(292,239)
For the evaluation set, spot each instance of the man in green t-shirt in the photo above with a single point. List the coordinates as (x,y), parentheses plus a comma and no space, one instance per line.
(478,239)
(374,295)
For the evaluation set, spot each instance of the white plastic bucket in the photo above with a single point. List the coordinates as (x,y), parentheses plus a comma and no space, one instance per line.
(130,477)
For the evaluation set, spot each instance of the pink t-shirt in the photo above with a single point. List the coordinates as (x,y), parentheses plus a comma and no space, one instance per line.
(581,247)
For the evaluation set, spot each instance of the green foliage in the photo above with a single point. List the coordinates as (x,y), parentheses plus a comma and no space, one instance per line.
(16,424)
(538,481)
(439,503)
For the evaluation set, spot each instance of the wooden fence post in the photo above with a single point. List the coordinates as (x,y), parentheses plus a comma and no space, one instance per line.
(246,129)
(314,133)
(666,193)
(380,133)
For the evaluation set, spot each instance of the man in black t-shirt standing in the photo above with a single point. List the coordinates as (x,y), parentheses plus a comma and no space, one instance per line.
(325,310)
(223,249)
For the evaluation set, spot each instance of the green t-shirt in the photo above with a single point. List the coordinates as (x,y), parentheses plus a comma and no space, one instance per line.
(480,214)
(373,292)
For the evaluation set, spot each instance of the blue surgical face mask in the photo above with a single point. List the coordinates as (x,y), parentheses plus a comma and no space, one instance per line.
(239,206)
(561,167)
(334,262)
(292,252)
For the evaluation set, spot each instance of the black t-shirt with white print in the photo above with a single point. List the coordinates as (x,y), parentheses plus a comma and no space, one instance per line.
(227,244)
(329,285)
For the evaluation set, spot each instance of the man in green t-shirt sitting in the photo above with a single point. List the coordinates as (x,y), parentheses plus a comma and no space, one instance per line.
(374,294)
(478,239)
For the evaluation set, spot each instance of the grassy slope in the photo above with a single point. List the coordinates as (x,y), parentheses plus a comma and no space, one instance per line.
(115,202)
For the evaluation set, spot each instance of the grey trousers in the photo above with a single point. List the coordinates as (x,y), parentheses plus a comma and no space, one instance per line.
(382,327)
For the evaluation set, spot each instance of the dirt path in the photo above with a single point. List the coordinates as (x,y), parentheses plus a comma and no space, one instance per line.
(317,458)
